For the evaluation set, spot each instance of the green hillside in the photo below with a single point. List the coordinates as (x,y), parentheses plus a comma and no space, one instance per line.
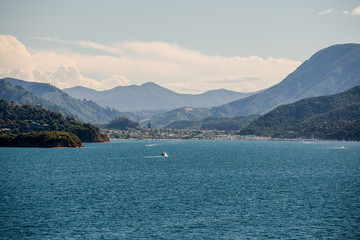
(214,123)
(121,123)
(181,114)
(26,118)
(328,117)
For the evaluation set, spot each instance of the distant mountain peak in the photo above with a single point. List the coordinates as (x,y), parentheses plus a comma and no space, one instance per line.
(152,97)
(329,71)
(82,87)
(150,84)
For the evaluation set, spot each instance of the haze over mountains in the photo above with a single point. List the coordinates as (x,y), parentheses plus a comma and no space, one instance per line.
(329,71)
(52,97)
(332,70)
(150,96)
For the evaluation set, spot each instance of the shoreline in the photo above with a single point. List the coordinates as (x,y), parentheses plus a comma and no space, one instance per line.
(237,139)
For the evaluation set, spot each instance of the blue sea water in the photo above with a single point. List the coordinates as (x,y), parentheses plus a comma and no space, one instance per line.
(203,190)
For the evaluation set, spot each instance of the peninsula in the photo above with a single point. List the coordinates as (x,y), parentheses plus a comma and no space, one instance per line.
(41,139)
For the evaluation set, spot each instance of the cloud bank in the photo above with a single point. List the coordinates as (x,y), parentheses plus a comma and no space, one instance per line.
(126,63)
(355,12)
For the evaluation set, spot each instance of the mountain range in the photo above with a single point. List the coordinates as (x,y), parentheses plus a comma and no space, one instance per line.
(329,71)
(55,99)
(332,70)
(150,96)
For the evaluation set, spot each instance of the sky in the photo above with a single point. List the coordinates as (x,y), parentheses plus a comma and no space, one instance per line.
(186,46)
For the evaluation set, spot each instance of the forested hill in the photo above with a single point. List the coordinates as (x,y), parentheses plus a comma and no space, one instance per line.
(51,139)
(214,123)
(328,117)
(25,118)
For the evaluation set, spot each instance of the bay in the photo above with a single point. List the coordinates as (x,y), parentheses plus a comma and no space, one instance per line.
(203,190)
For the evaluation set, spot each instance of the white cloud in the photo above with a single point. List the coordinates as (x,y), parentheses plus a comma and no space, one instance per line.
(328,11)
(128,63)
(84,44)
(12,45)
(356,11)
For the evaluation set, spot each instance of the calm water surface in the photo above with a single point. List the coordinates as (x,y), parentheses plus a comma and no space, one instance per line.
(203,190)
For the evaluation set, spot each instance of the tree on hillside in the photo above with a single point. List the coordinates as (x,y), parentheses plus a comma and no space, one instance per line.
(122,123)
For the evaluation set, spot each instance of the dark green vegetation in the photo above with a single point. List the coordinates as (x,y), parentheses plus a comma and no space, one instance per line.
(328,117)
(122,123)
(181,114)
(214,123)
(40,139)
(82,110)
(25,118)
(332,70)
(150,97)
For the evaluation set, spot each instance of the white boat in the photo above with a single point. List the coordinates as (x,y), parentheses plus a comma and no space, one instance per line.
(164,154)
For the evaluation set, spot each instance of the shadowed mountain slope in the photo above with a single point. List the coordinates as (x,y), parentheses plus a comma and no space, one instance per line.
(19,95)
(329,71)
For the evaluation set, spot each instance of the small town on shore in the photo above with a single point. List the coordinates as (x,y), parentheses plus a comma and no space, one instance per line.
(173,134)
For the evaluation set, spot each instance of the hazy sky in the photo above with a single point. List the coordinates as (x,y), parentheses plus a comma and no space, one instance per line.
(187,46)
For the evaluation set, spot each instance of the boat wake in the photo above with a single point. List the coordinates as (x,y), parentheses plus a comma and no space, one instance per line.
(342,147)
(153,157)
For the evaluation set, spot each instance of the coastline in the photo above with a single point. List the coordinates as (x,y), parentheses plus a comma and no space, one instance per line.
(235,138)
